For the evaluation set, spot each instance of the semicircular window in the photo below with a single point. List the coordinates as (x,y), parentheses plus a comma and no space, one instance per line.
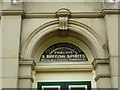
(63,51)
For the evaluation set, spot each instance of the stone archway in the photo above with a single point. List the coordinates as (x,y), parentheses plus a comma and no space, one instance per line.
(77,30)
(89,37)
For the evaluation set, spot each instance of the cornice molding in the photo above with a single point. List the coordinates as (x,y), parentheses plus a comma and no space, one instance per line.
(99,14)
(73,15)
(12,12)
(110,11)
(52,15)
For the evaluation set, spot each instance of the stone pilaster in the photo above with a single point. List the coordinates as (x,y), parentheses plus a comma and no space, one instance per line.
(102,73)
(11,28)
(113,43)
(11,19)
(25,73)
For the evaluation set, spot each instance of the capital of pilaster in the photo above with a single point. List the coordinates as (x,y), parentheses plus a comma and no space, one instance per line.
(30,62)
(100,61)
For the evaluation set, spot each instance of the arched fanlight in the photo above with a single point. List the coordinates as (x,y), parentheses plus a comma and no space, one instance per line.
(63,51)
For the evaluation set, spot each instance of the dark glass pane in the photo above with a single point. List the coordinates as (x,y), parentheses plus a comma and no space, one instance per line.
(50,88)
(77,88)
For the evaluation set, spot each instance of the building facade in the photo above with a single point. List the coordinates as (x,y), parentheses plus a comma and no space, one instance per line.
(58,45)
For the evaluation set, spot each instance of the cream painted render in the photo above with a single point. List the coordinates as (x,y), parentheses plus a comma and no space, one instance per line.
(28,28)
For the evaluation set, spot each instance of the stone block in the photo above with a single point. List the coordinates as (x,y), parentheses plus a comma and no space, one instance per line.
(0,83)
(114,66)
(112,33)
(114,80)
(104,83)
(25,71)
(11,26)
(25,83)
(0,67)
(0,40)
(9,67)
(102,69)
(9,82)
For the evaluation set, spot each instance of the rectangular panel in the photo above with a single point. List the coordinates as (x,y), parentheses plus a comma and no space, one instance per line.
(82,85)
(50,87)
(77,87)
